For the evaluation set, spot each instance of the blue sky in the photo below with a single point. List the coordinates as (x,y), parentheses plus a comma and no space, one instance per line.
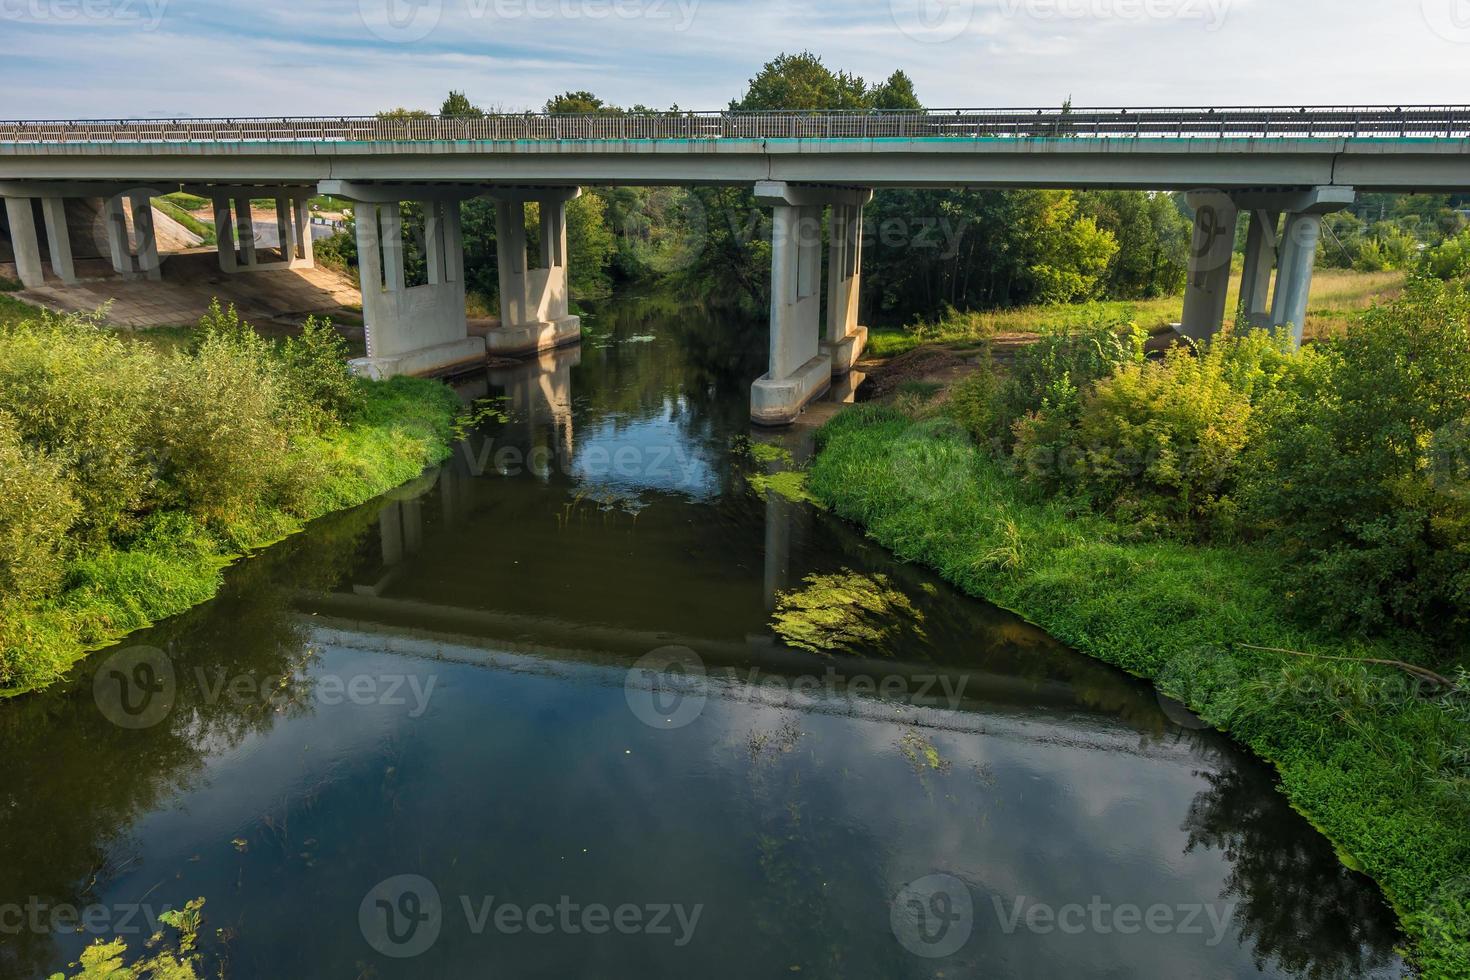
(103,58)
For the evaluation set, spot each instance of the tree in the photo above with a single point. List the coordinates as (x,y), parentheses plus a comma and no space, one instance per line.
(801,81)
(895,93)
(580,103)
(458,106)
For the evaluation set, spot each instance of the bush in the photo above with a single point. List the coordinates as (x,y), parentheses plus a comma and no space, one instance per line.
(220,422)
(79,394)
(1362,475)
(37,509)
(1448,260)
(1049,376)
(973,402)
(1159,443)
(318,377)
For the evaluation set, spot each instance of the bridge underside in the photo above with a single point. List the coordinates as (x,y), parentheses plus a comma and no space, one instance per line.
(815,187)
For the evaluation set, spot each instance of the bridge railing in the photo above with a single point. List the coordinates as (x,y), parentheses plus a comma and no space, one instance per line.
(1451,122)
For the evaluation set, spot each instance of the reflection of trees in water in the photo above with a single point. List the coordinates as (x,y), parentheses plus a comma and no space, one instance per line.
(72,783)
(1300,908)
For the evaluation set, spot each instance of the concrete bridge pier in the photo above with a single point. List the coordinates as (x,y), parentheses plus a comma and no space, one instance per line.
(1210,253)
(1293,251)
(411,329)
(845,338)
(534,302)
(234,225)
(803,357)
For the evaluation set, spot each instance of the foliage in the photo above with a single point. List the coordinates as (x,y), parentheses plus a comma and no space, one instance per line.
(81,396)
(1450,259)
(175,958)
(37,509)
(973,401)
(1374,773)
(1043,393)
(131,475)
(1363,476)
(846,612)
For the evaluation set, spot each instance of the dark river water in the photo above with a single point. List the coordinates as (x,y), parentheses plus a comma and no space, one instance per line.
(528,717)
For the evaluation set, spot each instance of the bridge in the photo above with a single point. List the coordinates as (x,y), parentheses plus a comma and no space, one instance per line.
(1285,166)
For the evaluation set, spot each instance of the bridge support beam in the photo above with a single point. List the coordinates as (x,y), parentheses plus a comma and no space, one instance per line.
(24,242)
(845,338)
(1293,252)
(804,357)
(534,302)
(1210,253)
(411,329)
(1260,260)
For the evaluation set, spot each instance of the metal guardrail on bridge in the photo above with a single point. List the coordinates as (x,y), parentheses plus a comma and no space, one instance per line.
(1264,123)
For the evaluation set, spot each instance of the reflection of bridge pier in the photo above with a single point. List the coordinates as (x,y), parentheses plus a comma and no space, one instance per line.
(538,394)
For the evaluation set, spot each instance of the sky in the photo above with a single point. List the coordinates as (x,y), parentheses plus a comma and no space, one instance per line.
(172,58)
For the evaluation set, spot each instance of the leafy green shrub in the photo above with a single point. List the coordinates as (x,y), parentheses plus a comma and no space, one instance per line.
(37,509)
(1050,375)
(317,374)
(1160,442)
(79,393)
(1363,475)
(220,418)
(1448,260)
(972,401)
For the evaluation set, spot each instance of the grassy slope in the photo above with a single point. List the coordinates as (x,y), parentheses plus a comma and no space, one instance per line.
(1335,294)
(406,426)
(1361,769)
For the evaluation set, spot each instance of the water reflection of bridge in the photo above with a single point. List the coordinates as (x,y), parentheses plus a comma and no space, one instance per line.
(449,574)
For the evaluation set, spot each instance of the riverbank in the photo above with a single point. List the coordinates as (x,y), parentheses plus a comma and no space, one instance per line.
(1337,294)
(135,475)
(1358,751)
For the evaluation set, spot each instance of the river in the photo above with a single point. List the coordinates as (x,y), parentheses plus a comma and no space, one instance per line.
(528,716)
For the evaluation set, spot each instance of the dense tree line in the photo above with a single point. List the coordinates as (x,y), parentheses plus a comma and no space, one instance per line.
(924,250)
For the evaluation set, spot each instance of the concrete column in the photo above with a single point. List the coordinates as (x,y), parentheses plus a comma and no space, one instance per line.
(798,371)
(58,239)
(845,339)
(224,233)
(453,243)
(434,242)
(418,330)
(1209,264)
(304,240)
(145,237)
(23,240)
(245,220)
(285,237)
(390,219)
(1294,279)
(117,238)
(535,304)
(1260,261)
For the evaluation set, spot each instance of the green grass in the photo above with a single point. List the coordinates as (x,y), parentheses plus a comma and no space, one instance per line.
(13,311)
(1336,293)
(189,202)
(111,591)
(183,217)
(1377,767)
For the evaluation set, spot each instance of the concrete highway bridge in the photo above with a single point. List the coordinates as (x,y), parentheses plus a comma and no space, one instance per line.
(1285,166)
